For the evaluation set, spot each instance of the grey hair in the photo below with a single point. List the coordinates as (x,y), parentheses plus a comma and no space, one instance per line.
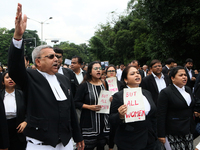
(36,52)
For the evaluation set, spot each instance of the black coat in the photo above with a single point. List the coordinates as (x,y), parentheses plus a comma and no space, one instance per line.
(135,135)
(190,83)
(47,119)
(4,136)
(165,70)
(175,117)
(149,83)
(71,76)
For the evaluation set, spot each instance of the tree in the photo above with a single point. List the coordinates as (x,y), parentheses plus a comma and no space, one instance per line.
(5,39)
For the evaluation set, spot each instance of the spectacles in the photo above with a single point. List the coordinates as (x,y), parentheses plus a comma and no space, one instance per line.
(96,68)
(51,56)
(111,71)
(157,66)
(58,56)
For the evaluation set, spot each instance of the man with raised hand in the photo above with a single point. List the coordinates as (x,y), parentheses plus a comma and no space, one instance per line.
(51,115)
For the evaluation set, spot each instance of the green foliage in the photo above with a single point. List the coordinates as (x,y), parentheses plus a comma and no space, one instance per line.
(5,39)
(71,49)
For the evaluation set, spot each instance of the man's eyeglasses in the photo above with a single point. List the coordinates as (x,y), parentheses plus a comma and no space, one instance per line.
(51,56)
(111,71)
(157,66)
(96,68)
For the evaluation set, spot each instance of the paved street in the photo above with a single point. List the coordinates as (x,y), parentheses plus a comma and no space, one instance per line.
(196,141)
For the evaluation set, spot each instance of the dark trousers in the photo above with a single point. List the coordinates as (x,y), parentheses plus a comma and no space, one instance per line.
(15,142)
(100,144)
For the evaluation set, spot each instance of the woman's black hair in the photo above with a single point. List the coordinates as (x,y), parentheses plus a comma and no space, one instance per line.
(124,74)
(88,76)
(3,70)
(111,65)
(174,71)
(2,79)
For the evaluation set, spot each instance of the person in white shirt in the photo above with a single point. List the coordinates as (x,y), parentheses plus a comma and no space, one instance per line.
(51,115)
(119,71)
(76,64)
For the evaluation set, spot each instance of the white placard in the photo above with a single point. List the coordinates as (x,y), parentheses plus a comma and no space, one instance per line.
(112,84)
(133,99)
(104,101)
(67,61)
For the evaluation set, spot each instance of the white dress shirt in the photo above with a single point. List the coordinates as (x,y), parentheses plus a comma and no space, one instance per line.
(119,74)
(160,82)
(79,76)
(189,72)
(60,70)
(10,105)
(185,95)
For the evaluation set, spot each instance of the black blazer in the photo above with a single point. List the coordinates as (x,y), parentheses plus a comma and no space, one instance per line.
(21,109)
(71,76)
(165,70)
(149,83)
(44,121)
(175,117)
(141,73)
(135,135)
(4,137)
(190,83)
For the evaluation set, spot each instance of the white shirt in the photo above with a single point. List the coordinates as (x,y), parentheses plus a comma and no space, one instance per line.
(189,72)
(160,82)
(145,73)
(146,104)
(55,86)
(60,70)
(119,74)
(185,95)
(79,76)
(10,105)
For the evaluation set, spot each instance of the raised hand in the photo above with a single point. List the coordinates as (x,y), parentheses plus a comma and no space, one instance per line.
(20,23)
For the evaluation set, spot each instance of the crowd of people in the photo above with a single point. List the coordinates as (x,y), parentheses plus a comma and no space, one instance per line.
(50,106)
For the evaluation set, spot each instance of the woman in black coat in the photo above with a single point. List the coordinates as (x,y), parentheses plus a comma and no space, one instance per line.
(15,112)
(175,113)
(140,135)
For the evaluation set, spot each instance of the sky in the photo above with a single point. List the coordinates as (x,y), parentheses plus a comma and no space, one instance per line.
(73,20)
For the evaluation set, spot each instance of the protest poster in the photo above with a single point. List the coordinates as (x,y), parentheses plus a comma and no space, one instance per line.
(104,101)
(133,99)
(112,84)
(67,62)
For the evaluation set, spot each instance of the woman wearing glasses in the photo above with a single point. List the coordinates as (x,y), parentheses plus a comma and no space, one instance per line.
(94,126)
(111,72)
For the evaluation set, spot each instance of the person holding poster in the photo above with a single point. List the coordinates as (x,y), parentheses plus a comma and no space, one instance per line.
(176,107)
(138,135)
(110,73)
(114,85)
(95,126)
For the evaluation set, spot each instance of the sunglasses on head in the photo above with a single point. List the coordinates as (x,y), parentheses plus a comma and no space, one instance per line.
(96,68)
(111,71)
(51,56)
